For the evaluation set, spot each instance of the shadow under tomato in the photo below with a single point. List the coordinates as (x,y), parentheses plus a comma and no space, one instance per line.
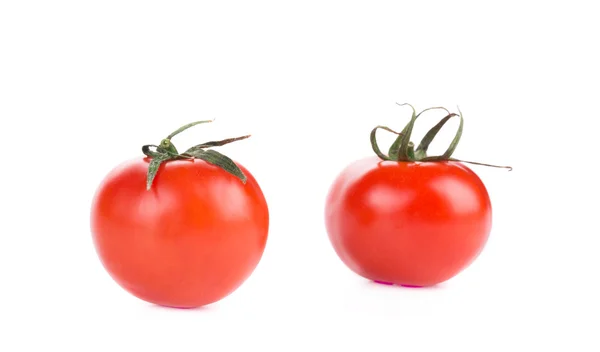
(405,287)
(207,308)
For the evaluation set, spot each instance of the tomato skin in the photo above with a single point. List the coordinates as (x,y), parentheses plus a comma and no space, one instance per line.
(189,241)
(408,223)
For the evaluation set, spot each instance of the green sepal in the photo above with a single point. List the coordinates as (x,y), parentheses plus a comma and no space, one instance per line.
(148,152)
(374,144)
(421,151)
(481,164)
(439,158)
(214,144)
(224,162)
(448,153)
(155,163)
(185,127)
(394,148)
(405,138)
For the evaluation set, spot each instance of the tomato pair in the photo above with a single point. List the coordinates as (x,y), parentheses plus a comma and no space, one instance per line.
(187,229)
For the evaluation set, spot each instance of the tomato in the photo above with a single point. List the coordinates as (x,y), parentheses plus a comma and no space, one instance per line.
(409,223)
(189,240)
(417,221)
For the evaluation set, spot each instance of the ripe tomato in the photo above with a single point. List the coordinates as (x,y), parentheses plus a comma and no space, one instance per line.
(410,220)
(189,240)
(409,223)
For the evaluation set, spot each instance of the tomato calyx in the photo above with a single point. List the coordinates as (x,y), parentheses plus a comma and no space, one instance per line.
(166,151)
(403,149)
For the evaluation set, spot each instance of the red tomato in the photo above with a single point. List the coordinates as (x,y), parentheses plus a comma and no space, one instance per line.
(408,223)
(190,240)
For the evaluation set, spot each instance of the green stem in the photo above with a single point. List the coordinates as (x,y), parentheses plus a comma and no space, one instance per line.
(166,151)
(403,148)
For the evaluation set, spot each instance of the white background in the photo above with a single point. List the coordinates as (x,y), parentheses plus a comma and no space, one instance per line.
(84,84)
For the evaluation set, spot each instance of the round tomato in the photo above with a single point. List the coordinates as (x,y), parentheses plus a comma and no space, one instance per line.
(408,223)
(409,219)
(178,230)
